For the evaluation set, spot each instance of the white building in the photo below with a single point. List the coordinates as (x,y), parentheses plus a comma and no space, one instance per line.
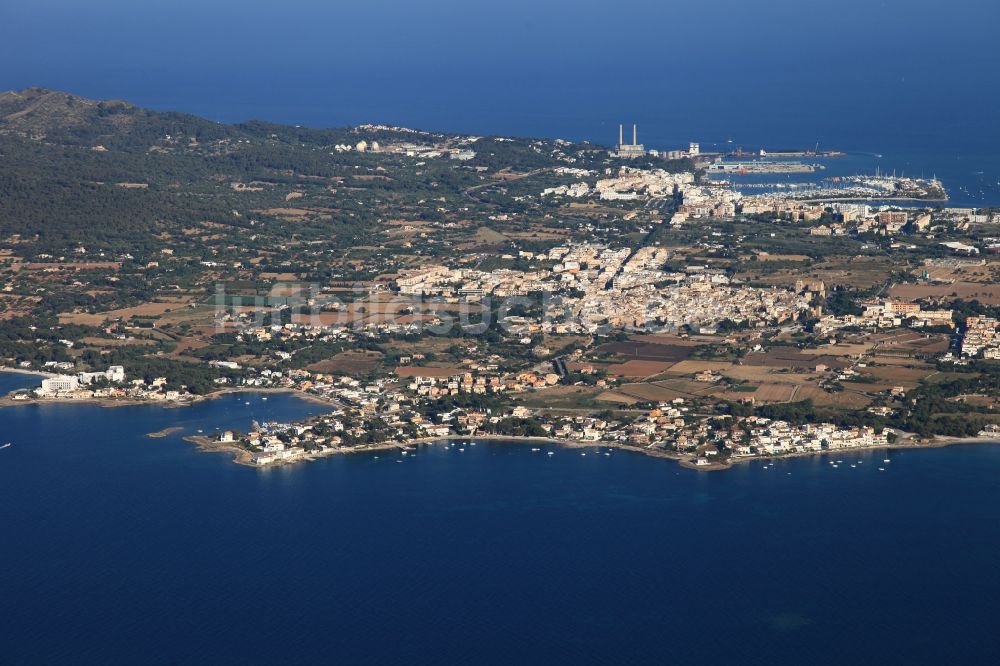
(115,374)
(60,384)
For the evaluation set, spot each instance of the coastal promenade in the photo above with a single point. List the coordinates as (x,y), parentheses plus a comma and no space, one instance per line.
(689,461)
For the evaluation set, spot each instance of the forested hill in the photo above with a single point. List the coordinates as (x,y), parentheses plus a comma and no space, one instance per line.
(61,118)
(65,119)
(116,178)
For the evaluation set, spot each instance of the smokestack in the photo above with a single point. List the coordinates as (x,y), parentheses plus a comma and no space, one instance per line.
(635,136)
(621,139)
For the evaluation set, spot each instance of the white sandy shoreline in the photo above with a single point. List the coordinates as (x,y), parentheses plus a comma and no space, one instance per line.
(22,371)
(685,460)
(908,441)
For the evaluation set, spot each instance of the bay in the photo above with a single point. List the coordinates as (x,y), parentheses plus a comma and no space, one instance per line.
(118,548)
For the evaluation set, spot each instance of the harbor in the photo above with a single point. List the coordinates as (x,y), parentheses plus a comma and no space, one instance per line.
(754,167)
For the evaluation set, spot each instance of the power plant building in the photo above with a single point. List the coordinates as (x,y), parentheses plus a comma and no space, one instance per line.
(628,150)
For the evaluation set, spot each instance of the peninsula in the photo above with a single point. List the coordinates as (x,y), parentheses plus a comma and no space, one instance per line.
(427,286)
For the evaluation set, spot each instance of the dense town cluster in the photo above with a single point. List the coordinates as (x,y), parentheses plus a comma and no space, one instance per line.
(376,420)
(831,210)
(602,288)
(982,336)
(887,314)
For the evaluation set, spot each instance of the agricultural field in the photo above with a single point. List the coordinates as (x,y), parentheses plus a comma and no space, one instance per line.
(908,377)
(151,310)
(694,367)
(960,271)
(984,293)
(858,272)
(762,374)
(441,372)
(115,342)
(351,362)
(785,357)
(633,369)
(564,398)
(646,351)
(845,399)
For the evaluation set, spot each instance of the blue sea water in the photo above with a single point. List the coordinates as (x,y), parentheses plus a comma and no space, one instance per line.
(909,79)
(120,549)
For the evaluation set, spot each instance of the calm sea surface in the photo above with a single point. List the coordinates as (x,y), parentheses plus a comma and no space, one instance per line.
(120,549)
(910,130)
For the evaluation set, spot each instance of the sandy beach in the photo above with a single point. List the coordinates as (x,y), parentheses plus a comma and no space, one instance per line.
(21,371)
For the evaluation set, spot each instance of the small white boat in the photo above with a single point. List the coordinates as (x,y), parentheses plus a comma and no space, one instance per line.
(583,454)
(247,402)
(5,446)
(552,453)
(462,450)
(264,398)
(881,469)
(607,454)
(536,449)
(886,460)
